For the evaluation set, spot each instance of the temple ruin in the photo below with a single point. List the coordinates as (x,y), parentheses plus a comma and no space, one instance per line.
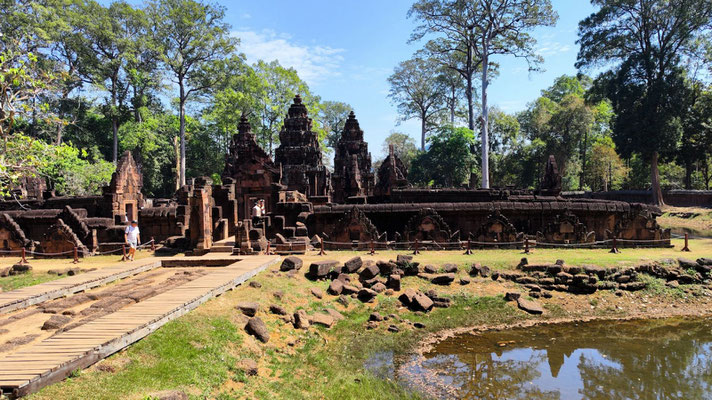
(351,207)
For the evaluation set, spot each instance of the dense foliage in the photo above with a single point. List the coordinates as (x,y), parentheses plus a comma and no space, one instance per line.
(86,81)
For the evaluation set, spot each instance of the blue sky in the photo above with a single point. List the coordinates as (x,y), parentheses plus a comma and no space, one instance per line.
(345,50)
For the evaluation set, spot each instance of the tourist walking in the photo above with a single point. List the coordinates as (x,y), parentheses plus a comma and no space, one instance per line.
(132,236)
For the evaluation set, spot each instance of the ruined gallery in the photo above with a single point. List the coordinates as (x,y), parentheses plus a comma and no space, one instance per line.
(353,206)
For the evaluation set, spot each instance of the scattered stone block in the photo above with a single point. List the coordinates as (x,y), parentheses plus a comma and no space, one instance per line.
(530,306)
(394,282)
(379,287)
(248,366)
(367,295)
(18,269)
(450,268)
(375,316)
(430,269)
(255,284)
(369,272)
(334,314)
(257,328)
(512,296)
(316,292)
(320,269)
(322,319)
(55,322)
(291,263)
(335,287)
(301,320)
(353,265)
(248,308)
(421,302)
(443,279)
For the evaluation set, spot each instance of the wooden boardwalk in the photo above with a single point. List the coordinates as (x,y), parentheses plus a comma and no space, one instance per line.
(53,359)
(27,296)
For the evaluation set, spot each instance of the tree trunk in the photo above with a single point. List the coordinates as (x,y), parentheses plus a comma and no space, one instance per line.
(422,131)
(688,175)
(582,178)
(181,173)
(176,151)
(485,120)
(453,102)
(114,123)
(655,181)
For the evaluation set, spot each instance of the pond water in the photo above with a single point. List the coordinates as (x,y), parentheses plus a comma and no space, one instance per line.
(656,359)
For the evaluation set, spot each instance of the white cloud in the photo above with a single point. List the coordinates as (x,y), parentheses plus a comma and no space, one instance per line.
(551,48)
(314,63)
(245,16)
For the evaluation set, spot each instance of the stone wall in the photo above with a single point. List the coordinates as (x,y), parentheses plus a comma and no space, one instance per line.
(676,198)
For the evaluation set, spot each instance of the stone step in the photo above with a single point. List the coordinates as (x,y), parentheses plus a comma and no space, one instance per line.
(221,249)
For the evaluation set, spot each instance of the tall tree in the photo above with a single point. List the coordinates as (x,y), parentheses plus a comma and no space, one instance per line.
(644,42)
(483,29)
(109,35)
(333,116)
(446,163)
(192,36)
(403,147)
(417,92)
(281,84)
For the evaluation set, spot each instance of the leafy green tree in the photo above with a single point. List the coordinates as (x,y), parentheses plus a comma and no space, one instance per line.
(242,92)
(149,140)
(507,140)
(417,92)
(483,29)
(281,85)
(644,43)
(607,171)
(333,118)
(109,34)
(67,170)
(696,144)
(191,37)
(403,147)
(447,161)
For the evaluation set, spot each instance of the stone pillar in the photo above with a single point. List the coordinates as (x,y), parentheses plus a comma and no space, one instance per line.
(201,219)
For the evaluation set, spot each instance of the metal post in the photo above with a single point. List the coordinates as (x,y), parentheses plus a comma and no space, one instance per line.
(415,251)
(526,246)
(123,249)
(614,247)
(373,249)
(469,248)
(686,248)
(24,256)
(321,250)
(76,256)
(267,250)
(153,244)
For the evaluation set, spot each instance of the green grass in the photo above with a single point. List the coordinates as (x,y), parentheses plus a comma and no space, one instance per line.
(508,258)
(188,352)
(18,281)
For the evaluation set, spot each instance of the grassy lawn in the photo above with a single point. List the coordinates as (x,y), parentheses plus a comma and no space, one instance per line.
(200,353)
(507,258)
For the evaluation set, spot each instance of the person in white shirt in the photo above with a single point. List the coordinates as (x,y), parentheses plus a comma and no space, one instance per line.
(132,236)
(256,212)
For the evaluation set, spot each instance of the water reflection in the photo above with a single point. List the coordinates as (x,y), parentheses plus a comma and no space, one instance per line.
(663,359)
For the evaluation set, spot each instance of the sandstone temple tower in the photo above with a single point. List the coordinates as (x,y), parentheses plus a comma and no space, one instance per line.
(300,156)
(352,180)
(254,173)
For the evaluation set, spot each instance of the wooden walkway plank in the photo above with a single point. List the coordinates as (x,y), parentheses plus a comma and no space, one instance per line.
(54,358)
